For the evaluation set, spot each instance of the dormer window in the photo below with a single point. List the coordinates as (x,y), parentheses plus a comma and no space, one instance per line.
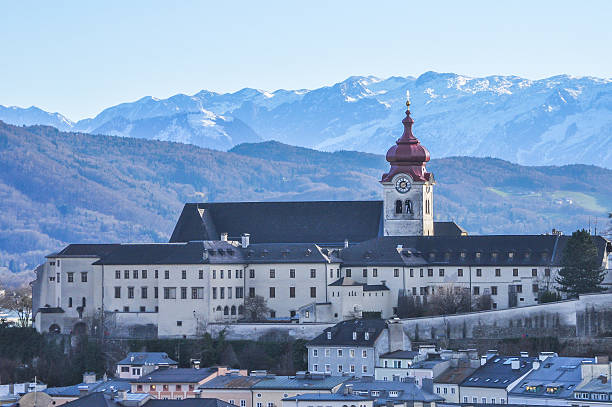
(463,255)
(367,336)
(510,255)
(478,255)
(328,335)
(354,335)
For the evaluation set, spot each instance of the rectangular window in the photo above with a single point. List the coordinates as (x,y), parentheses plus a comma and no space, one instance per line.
(352,368)
(476,290)
(251,292)
(272,292)
(459,272)
(315,353)
(515,272)
(364,353)
(348,272)
(374,272)
(242,403)
(478,272)
(221,293)
(117,292)
(201,274)
(535,288)
(365,272)
(156,273)
(547,272)
(126,274)
(135,274)
(143,309)
(229,274)
(167,274)
(429,272)
(291,292)
(239,292)
(197,293)
(395,272)
(184,274)
(220,273)
(411,272)
(126,309)
(421,272)
(414,291)
(69,302)
(272,273)
(214,274)
(117,274)
(497,272)
(143,292)
(130,292)
(313,273)
(251,273)
(493,290)
(229,292)
(70,277)
(83,277)
(534,272)
(352,353)
(214,293)
(143,273)
(340,353)
(170,293)
(519,288)
(441,272)
(291,273)
(179,323)
(183,293)
(313,292)
(155,292)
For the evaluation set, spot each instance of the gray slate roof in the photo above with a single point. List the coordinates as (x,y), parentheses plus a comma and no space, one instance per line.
(231,381)
(564,372)
(407,391)
(329,397)
(147,358)
(349,282)
(294,383)
(400,354)
(99,386)
(85,250)
(180,375)
(498,372)
(104,400)
(342,333)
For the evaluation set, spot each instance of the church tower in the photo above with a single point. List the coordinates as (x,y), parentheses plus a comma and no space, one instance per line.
(408,187)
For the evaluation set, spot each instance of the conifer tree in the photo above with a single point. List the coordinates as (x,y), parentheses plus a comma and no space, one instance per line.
(582,271)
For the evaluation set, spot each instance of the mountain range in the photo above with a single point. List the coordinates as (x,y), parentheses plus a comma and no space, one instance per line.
(554,121)
(64,187)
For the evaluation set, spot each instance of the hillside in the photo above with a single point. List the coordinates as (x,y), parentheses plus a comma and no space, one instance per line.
(553,121)
(58,187)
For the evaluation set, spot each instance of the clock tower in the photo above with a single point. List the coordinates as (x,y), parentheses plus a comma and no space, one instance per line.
(408,187)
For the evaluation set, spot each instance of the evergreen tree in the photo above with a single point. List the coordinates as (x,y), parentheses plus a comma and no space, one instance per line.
(582,271)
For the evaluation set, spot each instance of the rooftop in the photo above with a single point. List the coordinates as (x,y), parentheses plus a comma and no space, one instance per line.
(231,381)
(405,390)
(180,375)
(100,386)
(455,375)
(342,333)
(147,358)
(498,372)
(311,382)
(400,354)
(329,397)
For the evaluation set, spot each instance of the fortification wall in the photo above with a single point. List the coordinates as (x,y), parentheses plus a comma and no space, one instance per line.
(255,331)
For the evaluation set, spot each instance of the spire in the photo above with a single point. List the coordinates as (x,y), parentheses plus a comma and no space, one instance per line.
(408,155)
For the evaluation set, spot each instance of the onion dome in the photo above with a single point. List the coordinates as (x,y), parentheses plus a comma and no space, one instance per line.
(408,155)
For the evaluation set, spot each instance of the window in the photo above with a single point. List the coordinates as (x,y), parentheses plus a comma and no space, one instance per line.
(535,288)
(242,403)
(221,292)
(393,393)
(291,292)
(201,274)
(364,353)
(156,273)
(547,272)
(143,309)
(441,272)
(272,292)
(484,400)
(239,292)
(220,273)
(70,277)
(374,272)
(414,291)
(497,272)
(291,273)
(126,309)
(135,274)
(398,206)
(429,272)
(69,302)
(155,292)
(167,274)
(143,292)
(126,274)
(272,273)
(214,293)
(352,368)
(117,274)
(478,272)
(534,272)
(327,352)
(476,290)
(395,272)
(315,353)
(197,293)
(183,293)
(352,353)
(169,293)
(313,292)
(328,368)
(348,272)
(315,367)
(411,272)
(365,272)
(438,389)
(519,288)
(313,273)
(179,323)
(143,274)
(117,292)
(251,273)
(339,368)
(214,274)
(493,290)
(184,274)
(459,272)
(229,274)
(339,353)
(251,292)
(515,272)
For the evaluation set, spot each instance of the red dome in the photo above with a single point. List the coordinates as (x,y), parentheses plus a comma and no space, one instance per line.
(408,155)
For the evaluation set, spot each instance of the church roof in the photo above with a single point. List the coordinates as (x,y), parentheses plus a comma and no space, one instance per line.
(321,222)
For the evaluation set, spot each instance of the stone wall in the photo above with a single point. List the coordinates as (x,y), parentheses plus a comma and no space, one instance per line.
(254,331)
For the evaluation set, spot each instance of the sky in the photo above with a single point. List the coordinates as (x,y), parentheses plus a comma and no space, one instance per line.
(79,57)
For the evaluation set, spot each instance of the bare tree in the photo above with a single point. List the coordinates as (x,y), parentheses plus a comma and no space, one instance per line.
(449,300)
(256,308)
(18,300)
(483,302)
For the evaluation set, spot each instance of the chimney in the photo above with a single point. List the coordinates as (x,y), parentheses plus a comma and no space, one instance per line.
(524,354)
(348,389)
(89,377)
(397,338)
(346,243)
(195,363)
(224,237)
(536,364)
(83,390)
(483,360)
(121,395)
(246,240)
(601,359)
(516,364)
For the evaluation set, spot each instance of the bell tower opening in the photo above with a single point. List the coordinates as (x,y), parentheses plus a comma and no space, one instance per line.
(408,187)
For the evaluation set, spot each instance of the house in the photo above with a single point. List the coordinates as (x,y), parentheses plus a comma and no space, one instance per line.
(354,347)
(179,383)
(491,382)
(595,388)
(232,388)
(137,364)
(392,392)
(552,381)
(123,399)
(329,400)
(447,384)
(89,385)
(271,389)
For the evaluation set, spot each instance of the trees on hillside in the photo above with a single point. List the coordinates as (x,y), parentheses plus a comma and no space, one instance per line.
(582,271)
(18,300)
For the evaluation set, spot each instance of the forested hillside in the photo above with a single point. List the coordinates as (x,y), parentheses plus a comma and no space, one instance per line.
(58,187)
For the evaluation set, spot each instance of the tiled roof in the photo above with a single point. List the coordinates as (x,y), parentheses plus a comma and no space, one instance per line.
(328,397)
(349,282)
(295,383)
(85,250)
(400,354)
(99,386)
(180,375)
(455,375)
(231,381)
(284,253)
(405,390)
(342,333)
(498,372)
(164,253)
(147,358)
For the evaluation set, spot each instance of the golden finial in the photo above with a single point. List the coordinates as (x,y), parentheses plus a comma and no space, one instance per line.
(408,98)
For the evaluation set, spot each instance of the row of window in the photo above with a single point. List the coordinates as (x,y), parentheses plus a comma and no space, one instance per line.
(70,277)
(166,387)
(313,273)
(340,353)
(498,272)
(237,274)
(83,302)
(143,274)
(340,368)
(483,400)
(239,291)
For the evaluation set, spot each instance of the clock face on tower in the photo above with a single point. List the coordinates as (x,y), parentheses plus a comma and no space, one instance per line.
(402,185)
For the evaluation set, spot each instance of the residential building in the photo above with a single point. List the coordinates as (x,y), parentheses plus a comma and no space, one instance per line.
(329,400)
(404,393)
(552,381)
(232,388)
(122,399)
(595,388)
(137,364)
(354,347)
(447,384)
(491,382)
(89,385)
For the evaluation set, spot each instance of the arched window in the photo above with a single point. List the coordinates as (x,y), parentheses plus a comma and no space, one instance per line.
(398,206)
(54,329)
(233,311)
(240,309)
(218,308)
(408,204)
(226,310)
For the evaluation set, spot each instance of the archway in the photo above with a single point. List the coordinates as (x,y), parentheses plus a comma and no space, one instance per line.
(55,329)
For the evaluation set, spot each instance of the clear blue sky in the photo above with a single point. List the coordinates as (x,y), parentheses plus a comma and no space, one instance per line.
(78,57)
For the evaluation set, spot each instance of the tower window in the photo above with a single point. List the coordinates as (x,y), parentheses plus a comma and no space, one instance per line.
(398,206)
(408,204)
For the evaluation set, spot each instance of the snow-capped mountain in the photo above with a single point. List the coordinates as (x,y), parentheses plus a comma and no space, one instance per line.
(33,115)
(558,120)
